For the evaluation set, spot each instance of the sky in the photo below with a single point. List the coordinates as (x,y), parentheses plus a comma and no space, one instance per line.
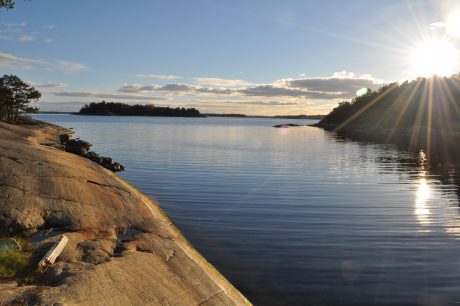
(223,56)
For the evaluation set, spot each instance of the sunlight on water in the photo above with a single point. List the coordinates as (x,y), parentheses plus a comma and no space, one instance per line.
(422,202)
(452,222)
(283,131)
(453,228)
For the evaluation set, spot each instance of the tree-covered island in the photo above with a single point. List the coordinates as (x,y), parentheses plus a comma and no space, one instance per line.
(121,109)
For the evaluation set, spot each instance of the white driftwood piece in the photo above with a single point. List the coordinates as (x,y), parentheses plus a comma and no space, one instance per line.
(54,252)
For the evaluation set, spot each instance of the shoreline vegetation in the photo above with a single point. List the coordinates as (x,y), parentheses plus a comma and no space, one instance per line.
(15,97)
(417,115)
(118,237)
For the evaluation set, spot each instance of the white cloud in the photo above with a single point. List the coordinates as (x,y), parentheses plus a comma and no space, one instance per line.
(23,63)
(278,91)
(13,31)
(272,91)
(178,88)
(15,25)
(12,61)
(437,25)
(137,88)
(343,75)
(16,32)
(7,60)
(26,38)
(48,26)
(49,84)
(343,83)
(102,95)
(6,27)
(70,67)
(219,91)
(175,87)
(263,103)
(48,40)
(219,82)
(159,76)
(21,38)
(295,95)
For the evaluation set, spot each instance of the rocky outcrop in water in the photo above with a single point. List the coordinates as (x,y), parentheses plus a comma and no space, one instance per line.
(81,148)
(286,125)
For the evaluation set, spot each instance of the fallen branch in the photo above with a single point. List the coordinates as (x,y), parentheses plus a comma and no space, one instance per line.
(53,253)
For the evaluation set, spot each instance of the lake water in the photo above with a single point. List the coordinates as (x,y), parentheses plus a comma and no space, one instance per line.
(295,216)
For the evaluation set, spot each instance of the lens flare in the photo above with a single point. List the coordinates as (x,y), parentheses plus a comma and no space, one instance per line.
(361,91)
(434,57)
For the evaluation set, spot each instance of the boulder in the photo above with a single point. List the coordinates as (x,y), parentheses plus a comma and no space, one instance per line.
(81,148)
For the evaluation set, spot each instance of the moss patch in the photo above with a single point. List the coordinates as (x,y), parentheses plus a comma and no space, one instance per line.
(16,260)
(13,262)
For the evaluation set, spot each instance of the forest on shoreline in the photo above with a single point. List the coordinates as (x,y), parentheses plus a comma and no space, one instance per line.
(428,103)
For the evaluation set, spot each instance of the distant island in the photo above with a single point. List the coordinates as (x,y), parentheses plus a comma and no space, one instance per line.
(121,109)
(422,114)
(225,115)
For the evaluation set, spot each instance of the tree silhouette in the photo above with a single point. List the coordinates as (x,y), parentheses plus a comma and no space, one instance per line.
(15,96)
(427,102)
(122,109)
(7,4)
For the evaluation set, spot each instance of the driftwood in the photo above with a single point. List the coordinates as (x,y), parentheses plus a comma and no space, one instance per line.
(54,252)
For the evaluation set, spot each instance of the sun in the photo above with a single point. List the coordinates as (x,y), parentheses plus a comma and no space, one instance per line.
(434,56)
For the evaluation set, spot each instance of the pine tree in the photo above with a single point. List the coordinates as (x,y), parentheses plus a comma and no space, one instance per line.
(15,96)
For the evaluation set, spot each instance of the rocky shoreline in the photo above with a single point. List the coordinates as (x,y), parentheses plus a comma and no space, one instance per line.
(122,249)
(81,148)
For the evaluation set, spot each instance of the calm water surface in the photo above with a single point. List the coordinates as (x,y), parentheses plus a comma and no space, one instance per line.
(295,216)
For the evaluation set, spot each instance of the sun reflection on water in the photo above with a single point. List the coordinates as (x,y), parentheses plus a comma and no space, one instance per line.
(422,200)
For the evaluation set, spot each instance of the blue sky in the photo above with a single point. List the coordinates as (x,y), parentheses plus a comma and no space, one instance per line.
(253,57)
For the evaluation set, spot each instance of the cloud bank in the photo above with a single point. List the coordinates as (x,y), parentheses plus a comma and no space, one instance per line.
(299,95)
(159,76)
(24,63)
(341,85)
(101,95)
